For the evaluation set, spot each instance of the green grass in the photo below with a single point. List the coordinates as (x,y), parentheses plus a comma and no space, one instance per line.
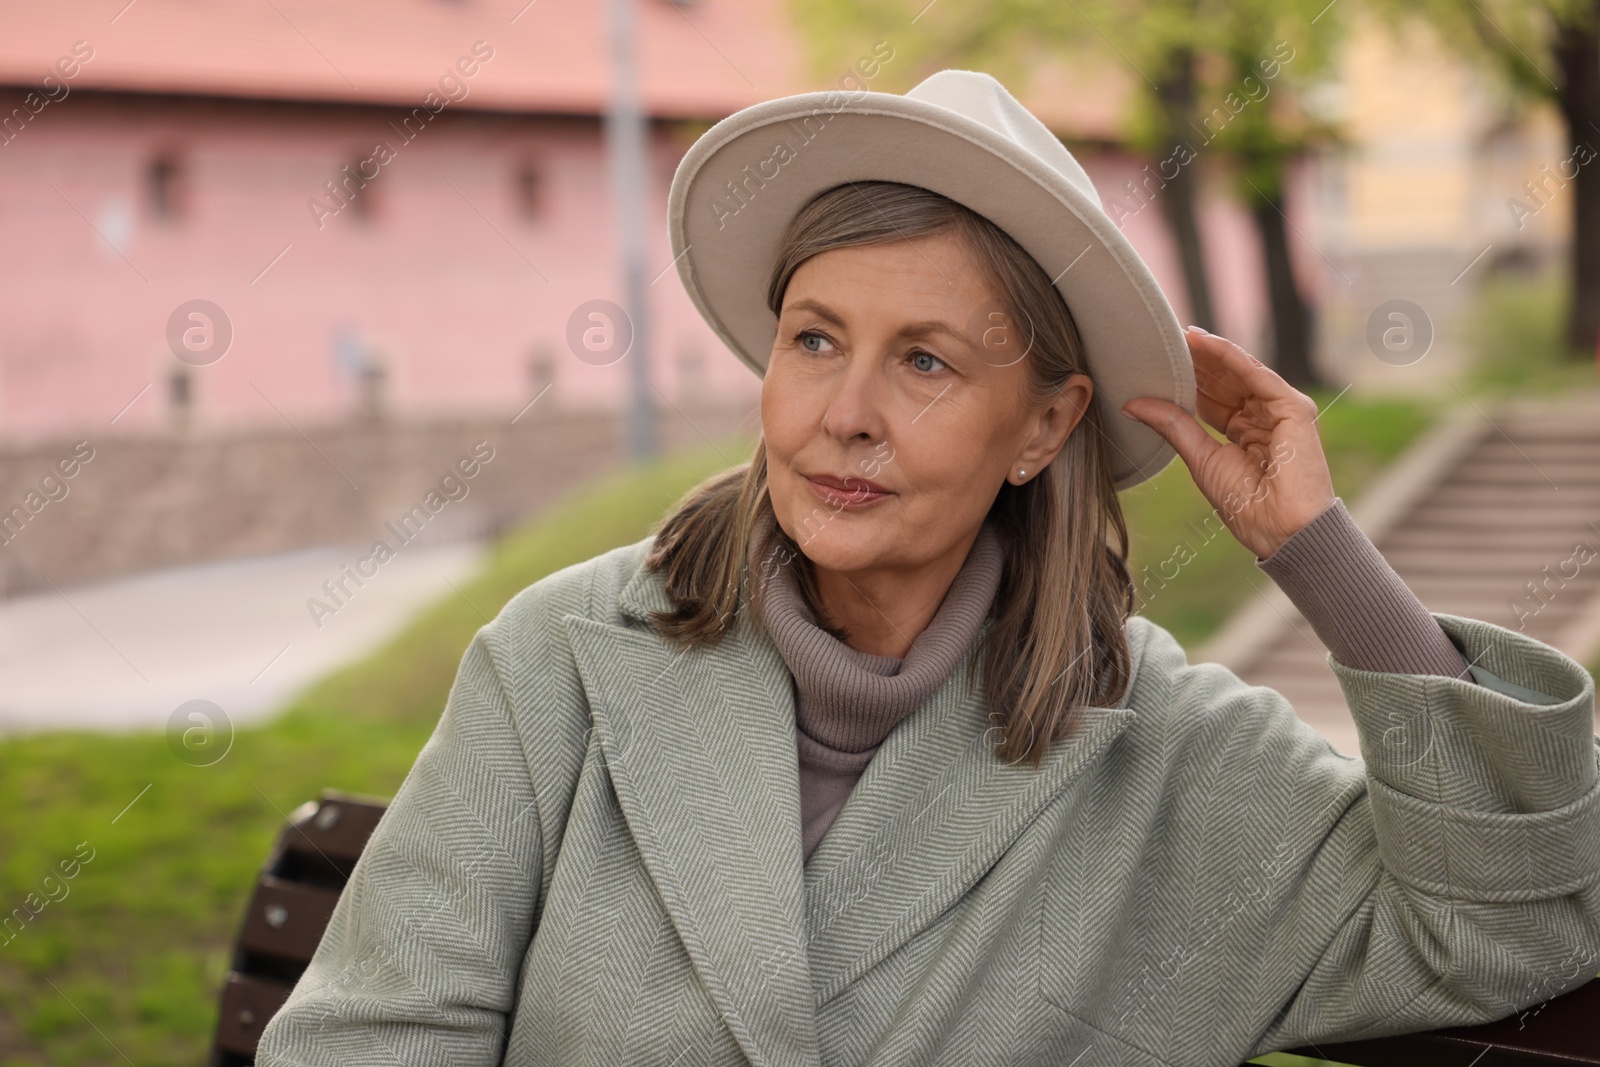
(139,945)
(1518,342)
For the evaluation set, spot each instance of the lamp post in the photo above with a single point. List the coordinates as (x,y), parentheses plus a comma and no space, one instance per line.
(625,142)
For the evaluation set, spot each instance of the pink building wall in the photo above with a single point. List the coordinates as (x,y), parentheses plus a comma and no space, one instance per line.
(1228,234)
(447,275)
(450,279)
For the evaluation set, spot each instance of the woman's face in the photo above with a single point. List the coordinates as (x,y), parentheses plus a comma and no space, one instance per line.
(894,405)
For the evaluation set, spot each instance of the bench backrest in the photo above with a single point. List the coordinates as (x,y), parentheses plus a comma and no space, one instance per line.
(293,900)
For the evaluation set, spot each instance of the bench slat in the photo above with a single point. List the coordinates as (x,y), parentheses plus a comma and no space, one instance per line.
(247,1004)
(286,919)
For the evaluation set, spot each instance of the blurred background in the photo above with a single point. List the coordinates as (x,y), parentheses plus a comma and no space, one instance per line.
(327,327)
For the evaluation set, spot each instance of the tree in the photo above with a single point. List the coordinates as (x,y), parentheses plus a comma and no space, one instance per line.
(1544,51)
(1577,52)
(1266,133)
(1175,101)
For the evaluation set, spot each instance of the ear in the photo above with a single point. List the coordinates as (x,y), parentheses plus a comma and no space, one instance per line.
(1053,424)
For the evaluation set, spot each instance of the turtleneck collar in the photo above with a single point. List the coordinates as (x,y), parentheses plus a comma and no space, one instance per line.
(849,700)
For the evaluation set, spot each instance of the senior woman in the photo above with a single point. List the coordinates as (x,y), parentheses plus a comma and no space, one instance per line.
(862,757)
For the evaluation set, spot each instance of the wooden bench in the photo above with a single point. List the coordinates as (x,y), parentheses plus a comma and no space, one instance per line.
(313,858)
(289,910)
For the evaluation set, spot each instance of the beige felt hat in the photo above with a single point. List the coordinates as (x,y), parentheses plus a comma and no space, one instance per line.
(961,134)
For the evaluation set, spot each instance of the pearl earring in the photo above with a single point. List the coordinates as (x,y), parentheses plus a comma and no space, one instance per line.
(1021,473)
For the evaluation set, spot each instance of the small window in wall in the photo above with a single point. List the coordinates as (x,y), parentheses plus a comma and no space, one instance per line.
(180,395)
(374,388)
(692,382)
(359,184)
(530,193)
(165,187)
(541,369)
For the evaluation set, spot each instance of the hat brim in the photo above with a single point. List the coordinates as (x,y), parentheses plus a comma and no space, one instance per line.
(725,237)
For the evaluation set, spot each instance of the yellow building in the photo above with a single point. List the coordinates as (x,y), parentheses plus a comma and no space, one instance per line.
(1445,179)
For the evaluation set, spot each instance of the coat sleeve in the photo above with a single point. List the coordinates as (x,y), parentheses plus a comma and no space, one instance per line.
(1460,881)
(421,959)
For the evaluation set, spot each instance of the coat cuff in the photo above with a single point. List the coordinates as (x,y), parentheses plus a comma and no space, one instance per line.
(1488,856)
(1520,743)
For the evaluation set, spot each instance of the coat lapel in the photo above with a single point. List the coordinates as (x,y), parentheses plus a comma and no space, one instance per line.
(700,748)
(931,814)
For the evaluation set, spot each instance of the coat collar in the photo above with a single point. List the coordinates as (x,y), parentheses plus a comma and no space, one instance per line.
(700,747)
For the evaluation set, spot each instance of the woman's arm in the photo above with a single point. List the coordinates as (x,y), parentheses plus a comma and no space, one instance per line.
(1269,484)
(421,957)
(1449,876)
(1472,860)
(1363,611)
(1463,881)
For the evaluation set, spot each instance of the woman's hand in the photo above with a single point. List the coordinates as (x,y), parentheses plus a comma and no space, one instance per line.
(1271,478)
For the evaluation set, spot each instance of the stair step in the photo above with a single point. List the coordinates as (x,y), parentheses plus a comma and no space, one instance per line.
(1478,495)
(1538,541)
(1553,515)
(1497,562)
(1578,471)
(1418,560)
(1577,427)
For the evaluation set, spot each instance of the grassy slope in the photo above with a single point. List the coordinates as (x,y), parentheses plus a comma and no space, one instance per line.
(140,944)
(1517,334)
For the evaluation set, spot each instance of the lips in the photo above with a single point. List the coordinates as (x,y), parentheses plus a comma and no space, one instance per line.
(849,484)
(847,493)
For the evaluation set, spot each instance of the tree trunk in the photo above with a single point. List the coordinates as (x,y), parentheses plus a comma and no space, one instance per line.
(1176,94)
(1291,317)
(1577,49)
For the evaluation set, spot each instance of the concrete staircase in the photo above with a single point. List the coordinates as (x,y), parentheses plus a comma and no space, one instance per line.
(1494,515)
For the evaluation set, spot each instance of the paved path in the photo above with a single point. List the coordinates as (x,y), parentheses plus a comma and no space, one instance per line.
(125,654)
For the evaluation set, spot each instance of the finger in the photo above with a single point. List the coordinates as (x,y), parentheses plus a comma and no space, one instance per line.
(1218,398)
(1239,395)
(1213,411)
(1180,429)
(1228,373)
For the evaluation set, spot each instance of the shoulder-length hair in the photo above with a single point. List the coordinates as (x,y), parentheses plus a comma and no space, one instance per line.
(1057,641)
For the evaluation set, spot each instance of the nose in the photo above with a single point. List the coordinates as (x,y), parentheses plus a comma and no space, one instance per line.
(855,410)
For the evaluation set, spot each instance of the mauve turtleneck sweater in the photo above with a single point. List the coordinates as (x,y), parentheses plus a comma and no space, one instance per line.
(847,701)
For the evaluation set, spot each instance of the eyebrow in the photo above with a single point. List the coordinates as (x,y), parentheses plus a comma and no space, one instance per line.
(921,328)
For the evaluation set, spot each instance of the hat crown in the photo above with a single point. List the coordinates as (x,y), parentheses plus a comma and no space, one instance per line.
(980,97)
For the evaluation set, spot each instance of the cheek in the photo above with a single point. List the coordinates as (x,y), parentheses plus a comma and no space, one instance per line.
(781,437)
(948,479)
(787,420)
(959,452)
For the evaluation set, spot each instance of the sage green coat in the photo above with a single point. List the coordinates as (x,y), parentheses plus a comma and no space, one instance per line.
(596,860)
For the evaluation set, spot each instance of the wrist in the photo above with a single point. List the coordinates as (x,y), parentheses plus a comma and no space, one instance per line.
(1322,513)
(1360,608)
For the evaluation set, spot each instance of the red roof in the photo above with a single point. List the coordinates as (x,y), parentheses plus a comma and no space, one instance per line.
(697,60)
(703,59)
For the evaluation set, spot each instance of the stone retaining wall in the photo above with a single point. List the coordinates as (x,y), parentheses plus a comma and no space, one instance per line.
(85,508)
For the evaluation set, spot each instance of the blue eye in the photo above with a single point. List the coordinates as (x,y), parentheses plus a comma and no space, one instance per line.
(917,357)
(807,336)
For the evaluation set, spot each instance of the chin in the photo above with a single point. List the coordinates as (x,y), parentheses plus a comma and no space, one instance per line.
(844,551)
(838,541)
